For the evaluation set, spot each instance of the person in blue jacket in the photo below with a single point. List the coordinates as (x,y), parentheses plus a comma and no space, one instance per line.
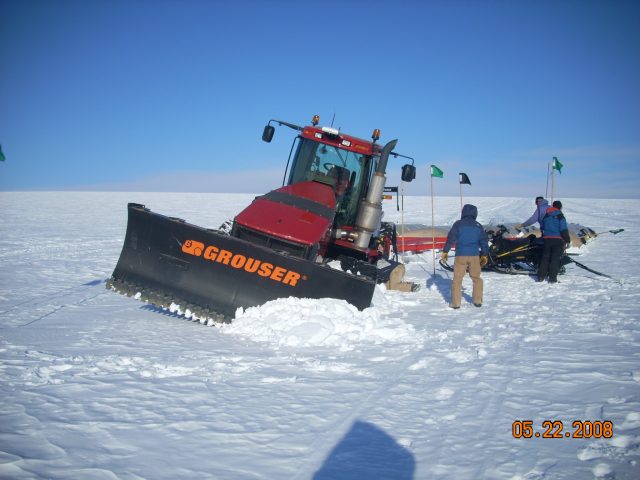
(541,210)
(472,253)
(555,235)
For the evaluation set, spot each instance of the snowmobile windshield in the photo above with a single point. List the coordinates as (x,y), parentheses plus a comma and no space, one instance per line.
(346,172)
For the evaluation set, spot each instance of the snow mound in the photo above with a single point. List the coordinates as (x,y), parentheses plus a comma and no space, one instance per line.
(304,322)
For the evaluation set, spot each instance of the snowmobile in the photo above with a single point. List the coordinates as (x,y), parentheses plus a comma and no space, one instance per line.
(522,255)
(517,255)
(317,236)
(514,255)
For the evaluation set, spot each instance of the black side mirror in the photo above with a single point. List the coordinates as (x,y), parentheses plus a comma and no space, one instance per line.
(408,173)
(267,134)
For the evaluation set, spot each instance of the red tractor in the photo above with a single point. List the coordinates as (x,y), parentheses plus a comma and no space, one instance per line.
(283,244)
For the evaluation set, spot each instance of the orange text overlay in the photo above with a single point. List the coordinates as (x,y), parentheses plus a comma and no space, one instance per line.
(556,429)
(242,262)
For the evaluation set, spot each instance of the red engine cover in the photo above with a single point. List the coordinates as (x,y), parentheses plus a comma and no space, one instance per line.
(301,213)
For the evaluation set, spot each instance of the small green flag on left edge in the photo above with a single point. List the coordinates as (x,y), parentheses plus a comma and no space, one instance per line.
(436,172)
(1,154)
(557,165)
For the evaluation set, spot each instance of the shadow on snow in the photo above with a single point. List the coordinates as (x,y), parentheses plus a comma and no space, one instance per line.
(443,285)
(367,452)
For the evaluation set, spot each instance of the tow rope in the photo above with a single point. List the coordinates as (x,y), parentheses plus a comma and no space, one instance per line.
(448,267)
(592,270)
(615,232)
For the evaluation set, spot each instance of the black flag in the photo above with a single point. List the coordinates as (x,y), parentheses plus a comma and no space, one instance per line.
(464,179)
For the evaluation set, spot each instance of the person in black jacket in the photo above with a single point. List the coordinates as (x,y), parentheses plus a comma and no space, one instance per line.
(555,235)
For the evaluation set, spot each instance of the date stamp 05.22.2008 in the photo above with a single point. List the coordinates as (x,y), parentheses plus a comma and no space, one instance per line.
(556,429)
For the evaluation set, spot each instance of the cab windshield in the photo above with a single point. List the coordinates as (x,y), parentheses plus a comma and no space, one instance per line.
(346,172)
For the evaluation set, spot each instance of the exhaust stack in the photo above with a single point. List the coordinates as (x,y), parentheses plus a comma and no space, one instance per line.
(370,210)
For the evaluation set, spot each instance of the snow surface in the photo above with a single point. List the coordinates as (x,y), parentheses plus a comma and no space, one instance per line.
(95,385)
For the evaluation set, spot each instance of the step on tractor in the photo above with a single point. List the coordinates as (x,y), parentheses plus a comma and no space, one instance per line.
(320,235)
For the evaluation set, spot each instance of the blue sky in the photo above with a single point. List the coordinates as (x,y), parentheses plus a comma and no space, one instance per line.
(173,95)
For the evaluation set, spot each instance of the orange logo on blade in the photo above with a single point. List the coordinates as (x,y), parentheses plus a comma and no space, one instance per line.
(193,247)
(242,262)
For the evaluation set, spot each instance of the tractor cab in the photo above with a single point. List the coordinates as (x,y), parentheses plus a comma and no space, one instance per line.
(333,182)
(332,159)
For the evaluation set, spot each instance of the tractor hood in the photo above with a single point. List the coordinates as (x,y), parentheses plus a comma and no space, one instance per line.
(301,213)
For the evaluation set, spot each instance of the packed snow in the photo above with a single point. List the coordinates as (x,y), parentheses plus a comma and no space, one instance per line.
(334,323)
(95,385)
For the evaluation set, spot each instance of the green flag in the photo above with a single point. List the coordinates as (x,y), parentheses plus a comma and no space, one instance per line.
(436,172)
(1,154)
(557,165)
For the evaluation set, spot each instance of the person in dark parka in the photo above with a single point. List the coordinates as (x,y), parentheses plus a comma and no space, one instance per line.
(472,253)
(555,235)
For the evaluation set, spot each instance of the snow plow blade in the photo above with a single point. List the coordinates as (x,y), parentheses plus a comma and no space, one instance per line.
(167,260)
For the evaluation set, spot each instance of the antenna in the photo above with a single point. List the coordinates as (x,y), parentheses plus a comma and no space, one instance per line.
(334,117)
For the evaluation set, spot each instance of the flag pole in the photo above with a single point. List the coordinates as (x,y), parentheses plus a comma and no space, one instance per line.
(546,192)
(433,231)
(402,217)
(460,194)
(553,184)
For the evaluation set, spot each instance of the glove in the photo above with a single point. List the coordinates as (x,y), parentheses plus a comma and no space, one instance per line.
(444,256)
(484,259)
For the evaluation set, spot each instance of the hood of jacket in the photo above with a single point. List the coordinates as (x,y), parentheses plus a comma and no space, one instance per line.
(469,211)
(551,210)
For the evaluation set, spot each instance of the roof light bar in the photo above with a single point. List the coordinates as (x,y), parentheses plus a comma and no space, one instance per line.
(331,131)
